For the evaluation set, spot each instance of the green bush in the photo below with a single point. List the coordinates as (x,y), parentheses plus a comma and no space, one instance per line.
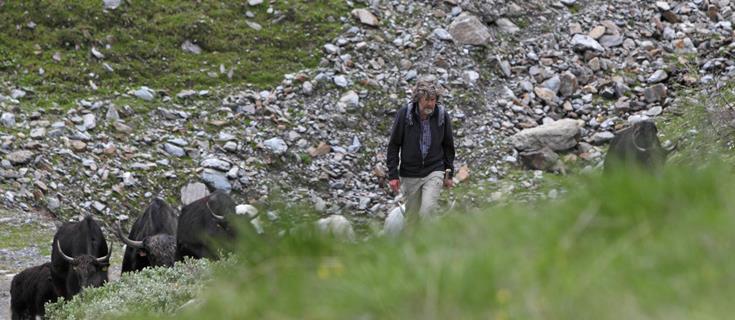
(153,290)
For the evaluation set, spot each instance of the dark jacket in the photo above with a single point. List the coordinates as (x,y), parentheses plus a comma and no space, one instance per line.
(405,137)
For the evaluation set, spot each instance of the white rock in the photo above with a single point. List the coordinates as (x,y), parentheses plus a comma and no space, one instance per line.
(246,209)
(191,47)
(145,93)
(277,145)
(112,4)
(584,42)
(337,226)
(395,222)
(350,99)
(253,3)
(192,192)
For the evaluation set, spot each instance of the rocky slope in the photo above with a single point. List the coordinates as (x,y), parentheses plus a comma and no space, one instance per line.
(319,137)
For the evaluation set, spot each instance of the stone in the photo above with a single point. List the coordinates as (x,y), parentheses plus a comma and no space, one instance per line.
(122,128)
(112,4)
(337,226)
(611,41)
(217,164)
(112,115)
(568,84)
(543,159)
(365,17)
(20,157)
(246,210)
(216,179)
(190,47)
(145,93)
(582,42)
(90,121)
(597,32)
(548,96)
(276,145)
(442,34)
(470,77)
(553,84)
(341,81)
(463,174)
(78,145)
(7,119)
(658,76)
(38,133)
(350,99)
(193,192)
(507,26)
(467,29)
(558,136)
(655,93)
(174,150)
(319,150)
(253,3)
(602,137)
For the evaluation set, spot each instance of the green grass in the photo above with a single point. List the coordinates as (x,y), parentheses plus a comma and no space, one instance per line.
(145,37)
(15,237)
(627,246)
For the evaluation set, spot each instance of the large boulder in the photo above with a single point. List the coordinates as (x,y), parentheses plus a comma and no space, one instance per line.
(557,136)
(468,29)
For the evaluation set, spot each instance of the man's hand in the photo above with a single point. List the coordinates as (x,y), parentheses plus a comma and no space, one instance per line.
(395,185)
(448,183)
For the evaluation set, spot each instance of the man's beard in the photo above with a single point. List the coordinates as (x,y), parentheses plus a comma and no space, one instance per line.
(428,111)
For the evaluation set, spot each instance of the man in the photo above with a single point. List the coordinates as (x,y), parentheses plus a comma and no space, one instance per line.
(422,134)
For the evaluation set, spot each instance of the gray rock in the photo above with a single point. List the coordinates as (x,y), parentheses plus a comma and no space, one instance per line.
(216,179)
(7,119)
(192,192)
(129,179)
(90,121)
(507,26)
(350,99)
(543,159)
(365,17)
(174,150)
(52,203)
(307,88)
(470,77)
(330,48)
(112,4)
(582,42)
(558,136)
(568,84)
(214,163)
(553,84)
(442,34)
(112,115)
(602,137)
(569,3)
(20,157)
(276,145)
(655,93)
(145,93)
(253,3)
(38,133)
(341,81)
(658,76)
(190,47)
(17,93)
(655,111)
(468,29)
(611,41)
(230,146)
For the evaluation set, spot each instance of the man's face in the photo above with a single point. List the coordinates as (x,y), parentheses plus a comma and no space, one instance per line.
(427,105)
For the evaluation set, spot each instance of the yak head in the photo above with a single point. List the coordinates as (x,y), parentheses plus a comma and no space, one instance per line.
(88,270)
(160,249)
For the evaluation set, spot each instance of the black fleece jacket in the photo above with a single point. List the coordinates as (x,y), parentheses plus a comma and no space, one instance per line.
(405,138)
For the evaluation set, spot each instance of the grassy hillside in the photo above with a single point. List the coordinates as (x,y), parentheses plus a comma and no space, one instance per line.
(46,46)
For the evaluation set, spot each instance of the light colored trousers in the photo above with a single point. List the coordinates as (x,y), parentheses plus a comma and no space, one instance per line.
(422,194)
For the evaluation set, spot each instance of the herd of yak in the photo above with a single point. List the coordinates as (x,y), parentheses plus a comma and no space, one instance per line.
(80,255)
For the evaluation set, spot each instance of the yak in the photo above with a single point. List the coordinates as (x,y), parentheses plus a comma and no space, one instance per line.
(200,222)
(79,257)
(637,145)
(152,240)
(30,290)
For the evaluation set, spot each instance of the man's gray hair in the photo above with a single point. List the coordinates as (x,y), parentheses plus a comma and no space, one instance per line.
(426,87)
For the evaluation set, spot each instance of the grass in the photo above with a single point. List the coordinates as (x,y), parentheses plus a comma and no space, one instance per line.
(141,42)
(15,237)
(630,246)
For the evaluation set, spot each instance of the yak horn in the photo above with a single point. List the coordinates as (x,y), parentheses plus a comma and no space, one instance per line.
(63,255)
(107,257)
(635,144)
(214,215)
(126,240)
